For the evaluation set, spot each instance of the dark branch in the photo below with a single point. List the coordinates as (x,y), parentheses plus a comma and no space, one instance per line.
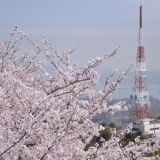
(67,85)
(14,144)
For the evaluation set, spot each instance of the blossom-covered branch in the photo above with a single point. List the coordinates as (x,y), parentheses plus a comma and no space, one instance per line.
(45,116)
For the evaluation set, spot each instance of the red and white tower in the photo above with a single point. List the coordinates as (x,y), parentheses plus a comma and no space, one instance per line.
(141,107)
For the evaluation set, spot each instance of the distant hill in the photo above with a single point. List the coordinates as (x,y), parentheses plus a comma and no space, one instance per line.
(122,116)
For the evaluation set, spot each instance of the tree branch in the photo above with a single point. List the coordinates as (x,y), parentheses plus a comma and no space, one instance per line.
(13,144)
(68,85)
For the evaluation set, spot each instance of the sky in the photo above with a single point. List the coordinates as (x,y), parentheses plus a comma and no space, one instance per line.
(97,27)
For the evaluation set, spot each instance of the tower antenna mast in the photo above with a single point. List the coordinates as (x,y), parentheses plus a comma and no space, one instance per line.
(141,107)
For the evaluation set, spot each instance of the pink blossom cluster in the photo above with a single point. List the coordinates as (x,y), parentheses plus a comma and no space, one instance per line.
(45,116)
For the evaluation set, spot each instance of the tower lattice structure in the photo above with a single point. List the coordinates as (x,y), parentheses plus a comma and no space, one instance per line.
(141,107)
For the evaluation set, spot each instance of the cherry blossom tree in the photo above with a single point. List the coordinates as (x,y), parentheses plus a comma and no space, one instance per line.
(45,117)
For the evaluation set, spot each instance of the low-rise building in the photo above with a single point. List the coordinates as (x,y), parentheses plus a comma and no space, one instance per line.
(147,126)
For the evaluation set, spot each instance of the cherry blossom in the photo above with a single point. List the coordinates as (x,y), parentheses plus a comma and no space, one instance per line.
(46,116)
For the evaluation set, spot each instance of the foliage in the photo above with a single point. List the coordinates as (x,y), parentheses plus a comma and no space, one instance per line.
(153,154)
(130,137)
(112,125)
(104,124)
(42,115)
(105,134)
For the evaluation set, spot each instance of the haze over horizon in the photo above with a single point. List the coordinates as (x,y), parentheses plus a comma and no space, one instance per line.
(96,27)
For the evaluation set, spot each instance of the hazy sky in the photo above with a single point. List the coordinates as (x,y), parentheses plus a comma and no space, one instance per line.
(97,27)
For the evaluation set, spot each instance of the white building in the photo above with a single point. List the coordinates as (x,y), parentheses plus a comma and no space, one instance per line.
(147,126)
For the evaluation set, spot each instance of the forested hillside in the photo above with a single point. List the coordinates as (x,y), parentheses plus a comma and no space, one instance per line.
(122,116)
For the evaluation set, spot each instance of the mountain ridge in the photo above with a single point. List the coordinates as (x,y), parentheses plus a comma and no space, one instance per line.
(123,116)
